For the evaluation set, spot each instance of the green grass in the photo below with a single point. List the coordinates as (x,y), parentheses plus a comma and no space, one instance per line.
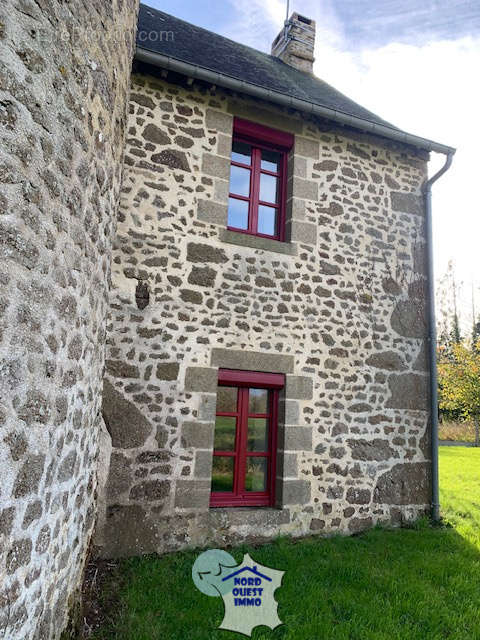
(460,491)
(420,583)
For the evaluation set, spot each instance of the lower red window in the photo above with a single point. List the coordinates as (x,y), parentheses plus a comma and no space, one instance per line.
(243,470)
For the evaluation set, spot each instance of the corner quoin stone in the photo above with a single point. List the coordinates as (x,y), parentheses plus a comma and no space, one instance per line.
(203,464)
(303,232)
(409,319)
(290,411)
(299,388)
(198,434)
(219,120)
(287,464)
(301,188)
(201,379)
(409,391)
(217,166)
(298,439)
(192,494)
(307,147)
(296,492)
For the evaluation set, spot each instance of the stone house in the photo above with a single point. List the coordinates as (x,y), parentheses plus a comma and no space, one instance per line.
(266,366)
(245,249)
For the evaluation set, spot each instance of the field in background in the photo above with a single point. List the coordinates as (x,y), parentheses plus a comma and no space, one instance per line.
(459,431)
(421,583)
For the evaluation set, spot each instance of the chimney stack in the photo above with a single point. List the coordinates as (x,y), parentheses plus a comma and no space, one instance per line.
(295,43)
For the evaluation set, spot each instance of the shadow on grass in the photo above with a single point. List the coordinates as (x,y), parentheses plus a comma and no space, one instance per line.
(406,583)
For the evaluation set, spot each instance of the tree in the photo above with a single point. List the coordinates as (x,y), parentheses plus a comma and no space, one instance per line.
(459,383)
(475,325)
(476,337)
(448,317)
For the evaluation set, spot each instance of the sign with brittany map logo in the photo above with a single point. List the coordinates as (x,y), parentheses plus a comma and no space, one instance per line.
(247,589)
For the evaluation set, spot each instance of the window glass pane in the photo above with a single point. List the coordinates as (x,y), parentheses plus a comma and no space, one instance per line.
(271,160)
(226,399)
(256,474)
(268,187)
(258,401)
(267,222)
(257,434)
(222,473)
(240,181)
(224,433)
(241,152)
(237,213)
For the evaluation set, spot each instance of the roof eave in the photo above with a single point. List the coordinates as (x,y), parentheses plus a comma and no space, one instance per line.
(229,82)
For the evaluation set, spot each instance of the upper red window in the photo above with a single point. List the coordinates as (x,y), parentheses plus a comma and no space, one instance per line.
(243,471)
(258,180)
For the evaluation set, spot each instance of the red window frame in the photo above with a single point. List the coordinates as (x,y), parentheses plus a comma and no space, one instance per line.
(261,137)
(243,381)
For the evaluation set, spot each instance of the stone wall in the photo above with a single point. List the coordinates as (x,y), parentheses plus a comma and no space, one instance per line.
(339,309)
(64,75)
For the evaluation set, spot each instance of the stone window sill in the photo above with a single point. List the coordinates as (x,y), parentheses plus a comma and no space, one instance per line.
(246,509)
(256,242)
(253,516)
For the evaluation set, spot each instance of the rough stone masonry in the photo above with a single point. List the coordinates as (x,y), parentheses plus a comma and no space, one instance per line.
(64,72)
(339,309)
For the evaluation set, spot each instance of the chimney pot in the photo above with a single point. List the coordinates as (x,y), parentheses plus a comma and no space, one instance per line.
(296,42)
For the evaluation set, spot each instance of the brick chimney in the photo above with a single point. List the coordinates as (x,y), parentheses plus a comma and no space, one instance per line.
(295,43)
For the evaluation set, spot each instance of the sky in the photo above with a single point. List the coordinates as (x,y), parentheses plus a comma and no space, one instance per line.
(417,65)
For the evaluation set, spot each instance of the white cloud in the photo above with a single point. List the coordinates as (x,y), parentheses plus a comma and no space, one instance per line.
(257,22)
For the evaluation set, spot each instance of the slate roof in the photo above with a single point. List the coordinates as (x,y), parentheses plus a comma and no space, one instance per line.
(196,49)
(209,50)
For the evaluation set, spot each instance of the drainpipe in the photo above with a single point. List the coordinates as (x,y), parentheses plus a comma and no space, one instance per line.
(432,335)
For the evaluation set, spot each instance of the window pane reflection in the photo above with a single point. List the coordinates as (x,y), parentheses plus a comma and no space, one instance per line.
(240,180)
(256,474)
(267,221)
(241,152)
(222,473)
(257,439)
(237,213)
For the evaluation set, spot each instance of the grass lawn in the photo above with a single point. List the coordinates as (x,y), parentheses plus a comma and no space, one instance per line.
(421,583)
